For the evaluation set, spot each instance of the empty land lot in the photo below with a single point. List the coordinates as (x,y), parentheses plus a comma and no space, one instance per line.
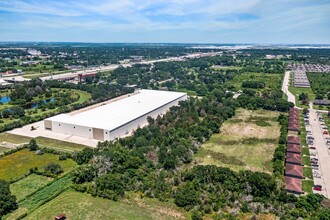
(246,141)
(78,205)
(18,164)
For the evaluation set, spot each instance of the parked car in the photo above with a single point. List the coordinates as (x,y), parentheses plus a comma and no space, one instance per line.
(314,159)
(313,148)
(317,175)
(310,138)
(313,154)
(315,168)
(317,187)
(325,132)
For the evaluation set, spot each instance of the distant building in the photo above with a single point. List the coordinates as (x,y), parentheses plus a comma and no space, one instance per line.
(34,52)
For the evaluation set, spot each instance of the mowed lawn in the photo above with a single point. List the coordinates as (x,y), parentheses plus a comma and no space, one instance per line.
(28,185)
(18,164)
(83,96)
(80,206)
(246,141)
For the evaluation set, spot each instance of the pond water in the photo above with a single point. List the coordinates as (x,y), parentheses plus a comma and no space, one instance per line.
(5,99)
(35,104)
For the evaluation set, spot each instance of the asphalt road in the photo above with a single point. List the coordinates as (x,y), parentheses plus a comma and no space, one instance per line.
(322,153)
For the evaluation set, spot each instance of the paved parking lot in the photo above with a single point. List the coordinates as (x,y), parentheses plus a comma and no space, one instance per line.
(322,153)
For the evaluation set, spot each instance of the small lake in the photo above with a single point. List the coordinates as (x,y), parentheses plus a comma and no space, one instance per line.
(5,99)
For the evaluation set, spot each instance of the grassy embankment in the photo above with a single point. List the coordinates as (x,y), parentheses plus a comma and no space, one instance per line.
(41,141)
(246,141)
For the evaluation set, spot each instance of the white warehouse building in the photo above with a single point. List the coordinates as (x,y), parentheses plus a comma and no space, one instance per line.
(117,119)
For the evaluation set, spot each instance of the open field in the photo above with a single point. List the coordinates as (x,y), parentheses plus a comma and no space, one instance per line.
(18,164)
(28,185)
(78,206)
(273,81)
(307,186)
(246,141)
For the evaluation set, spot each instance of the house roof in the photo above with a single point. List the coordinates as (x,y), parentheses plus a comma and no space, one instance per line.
(294,122)
(293,148)
(293,184)
(293,140)
(293,127)
(294,170)
(293,158)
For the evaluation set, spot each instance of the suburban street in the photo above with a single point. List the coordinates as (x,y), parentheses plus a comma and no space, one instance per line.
(285,87)
(322,154)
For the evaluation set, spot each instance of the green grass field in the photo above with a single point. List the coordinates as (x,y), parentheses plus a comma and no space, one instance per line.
(84,96)
(28,185)
(305,151)
(242,144)
(306,161)
(79,206)
(308,172)
(272,81)
(307,186)
(18,164)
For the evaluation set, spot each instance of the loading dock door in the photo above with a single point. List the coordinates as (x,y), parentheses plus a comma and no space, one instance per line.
(98,134)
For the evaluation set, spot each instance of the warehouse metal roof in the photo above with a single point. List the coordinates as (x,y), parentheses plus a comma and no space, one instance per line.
(118,113)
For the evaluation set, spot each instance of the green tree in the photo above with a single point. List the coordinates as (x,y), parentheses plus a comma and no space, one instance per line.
(7,200)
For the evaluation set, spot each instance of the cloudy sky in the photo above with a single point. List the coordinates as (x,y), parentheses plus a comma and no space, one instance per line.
(179,21)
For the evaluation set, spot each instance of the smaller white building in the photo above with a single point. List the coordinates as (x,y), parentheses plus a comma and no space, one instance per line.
(117,119)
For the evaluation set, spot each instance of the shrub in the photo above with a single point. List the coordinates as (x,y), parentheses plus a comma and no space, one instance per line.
(53,168)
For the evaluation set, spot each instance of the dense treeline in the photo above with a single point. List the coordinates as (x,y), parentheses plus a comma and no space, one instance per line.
(255,102)
(279,153)
(253,84)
